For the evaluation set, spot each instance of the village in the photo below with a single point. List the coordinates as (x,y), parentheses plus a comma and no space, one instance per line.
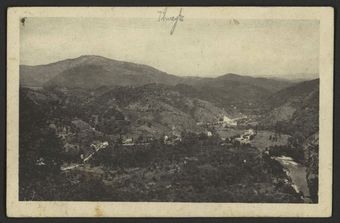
(223,122)
(174,137)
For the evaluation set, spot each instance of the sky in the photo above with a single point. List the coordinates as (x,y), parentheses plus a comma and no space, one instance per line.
(198,47)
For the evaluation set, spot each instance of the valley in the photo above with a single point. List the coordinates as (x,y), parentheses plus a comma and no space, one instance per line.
(93,128)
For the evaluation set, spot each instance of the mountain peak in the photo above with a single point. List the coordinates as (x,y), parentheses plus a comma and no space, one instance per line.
(232,75)
(92,56)
(92,59)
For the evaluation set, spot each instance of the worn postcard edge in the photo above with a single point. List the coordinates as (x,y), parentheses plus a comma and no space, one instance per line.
(16,208)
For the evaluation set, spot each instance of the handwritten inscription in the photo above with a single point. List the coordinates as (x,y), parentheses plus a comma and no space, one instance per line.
(163,17)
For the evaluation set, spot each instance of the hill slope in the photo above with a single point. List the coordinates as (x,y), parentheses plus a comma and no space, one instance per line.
(297,106)
(271,85)
(155,109)
(150,110)
(233,91)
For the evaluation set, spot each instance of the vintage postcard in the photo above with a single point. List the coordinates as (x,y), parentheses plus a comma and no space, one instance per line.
(169,111)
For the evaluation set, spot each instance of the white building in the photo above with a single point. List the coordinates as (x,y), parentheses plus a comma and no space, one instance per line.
(228,121)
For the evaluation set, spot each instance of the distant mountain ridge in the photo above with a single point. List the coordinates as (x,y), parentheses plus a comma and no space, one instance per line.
(271,85)
(229,91)
(70,72)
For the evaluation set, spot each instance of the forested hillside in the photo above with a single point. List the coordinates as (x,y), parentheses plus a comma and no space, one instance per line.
(93,128)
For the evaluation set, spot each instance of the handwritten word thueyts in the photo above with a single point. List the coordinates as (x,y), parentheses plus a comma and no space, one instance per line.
(174,19)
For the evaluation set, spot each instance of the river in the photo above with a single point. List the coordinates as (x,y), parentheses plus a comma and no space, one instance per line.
(297,173)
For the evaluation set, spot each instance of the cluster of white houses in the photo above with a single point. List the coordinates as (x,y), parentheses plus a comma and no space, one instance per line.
(223,121)
(228,122)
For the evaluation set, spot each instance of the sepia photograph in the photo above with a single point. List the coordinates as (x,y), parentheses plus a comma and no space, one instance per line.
(171,105)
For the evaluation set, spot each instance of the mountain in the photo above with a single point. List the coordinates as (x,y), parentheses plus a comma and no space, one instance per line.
(233,91)
(293,93)
(271,85)
(70,72)
(297,106)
